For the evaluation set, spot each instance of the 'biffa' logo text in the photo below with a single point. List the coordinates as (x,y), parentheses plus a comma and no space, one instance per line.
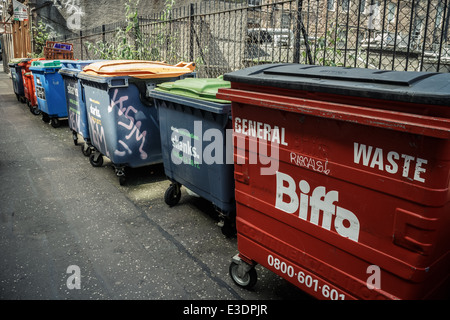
(309,206)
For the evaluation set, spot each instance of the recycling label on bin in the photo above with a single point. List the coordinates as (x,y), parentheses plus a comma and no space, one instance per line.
(40,93)
(73,104)
(97,132)
(183,149)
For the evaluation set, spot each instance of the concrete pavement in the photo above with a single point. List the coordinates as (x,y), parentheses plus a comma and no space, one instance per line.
(58,213)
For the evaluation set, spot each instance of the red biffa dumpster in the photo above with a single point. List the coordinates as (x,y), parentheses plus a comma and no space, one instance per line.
(342,179)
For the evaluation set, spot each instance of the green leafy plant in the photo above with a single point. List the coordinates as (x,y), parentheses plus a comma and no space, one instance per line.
(326,51)
(40,36)
(129,43)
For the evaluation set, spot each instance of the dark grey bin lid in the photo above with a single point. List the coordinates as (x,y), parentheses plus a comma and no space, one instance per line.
(412,87)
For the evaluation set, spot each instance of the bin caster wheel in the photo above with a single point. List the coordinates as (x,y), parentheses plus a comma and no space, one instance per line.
(86,150)
(243,275)
(45,117)
(35,110)
(172,195)
(55,122)
(228,228)
(122,180)
(96,159)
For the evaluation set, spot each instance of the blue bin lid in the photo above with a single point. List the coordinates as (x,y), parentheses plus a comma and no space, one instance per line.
(405,86)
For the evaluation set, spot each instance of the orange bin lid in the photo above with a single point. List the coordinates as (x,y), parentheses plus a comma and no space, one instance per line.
(138,69)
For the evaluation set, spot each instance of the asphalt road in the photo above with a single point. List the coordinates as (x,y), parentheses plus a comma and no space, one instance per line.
(59,216)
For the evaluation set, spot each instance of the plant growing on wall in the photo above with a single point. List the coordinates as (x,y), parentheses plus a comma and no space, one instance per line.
(40,37)
(127,43)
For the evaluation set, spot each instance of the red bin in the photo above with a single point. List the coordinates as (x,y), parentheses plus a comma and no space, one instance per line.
(342,179)
(28,86)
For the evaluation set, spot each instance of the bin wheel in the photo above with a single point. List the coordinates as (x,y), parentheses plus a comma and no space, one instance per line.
(55,122)
(35,110)
(247,281)
(228,228)
(75,138)
(172,195)
(122,180)
(96,162)
(45,117)
(85,149)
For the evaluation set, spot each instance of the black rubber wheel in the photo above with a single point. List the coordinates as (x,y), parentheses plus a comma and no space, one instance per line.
(45,117)
(172,195)
(55,122)
(97,163)
(229,228)
(85,149)
(248,281)
(35,110)
(122,180)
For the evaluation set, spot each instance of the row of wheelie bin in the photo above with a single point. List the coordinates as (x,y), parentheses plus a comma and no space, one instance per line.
(110,104)
(336,179)
(32,78)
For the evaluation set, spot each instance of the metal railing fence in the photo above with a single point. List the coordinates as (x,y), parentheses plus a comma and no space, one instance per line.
(221,36)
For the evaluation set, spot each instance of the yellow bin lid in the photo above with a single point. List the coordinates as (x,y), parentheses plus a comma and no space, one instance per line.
(141,69)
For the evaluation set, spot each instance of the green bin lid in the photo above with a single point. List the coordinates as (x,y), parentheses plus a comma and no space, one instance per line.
(196,88)
(14,61)
(46,64)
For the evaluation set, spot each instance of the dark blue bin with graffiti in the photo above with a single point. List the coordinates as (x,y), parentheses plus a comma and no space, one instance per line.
(75,101)
(50,93)
(122,119)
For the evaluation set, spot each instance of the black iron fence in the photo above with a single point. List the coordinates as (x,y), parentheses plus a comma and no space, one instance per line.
(221,36)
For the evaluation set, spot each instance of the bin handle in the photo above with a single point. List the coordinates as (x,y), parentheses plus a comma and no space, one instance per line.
(400,121)
(189,65)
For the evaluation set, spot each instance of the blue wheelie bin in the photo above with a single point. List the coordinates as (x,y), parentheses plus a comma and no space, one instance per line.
(75,101)
(50,92)
(123,121)
(194,139)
